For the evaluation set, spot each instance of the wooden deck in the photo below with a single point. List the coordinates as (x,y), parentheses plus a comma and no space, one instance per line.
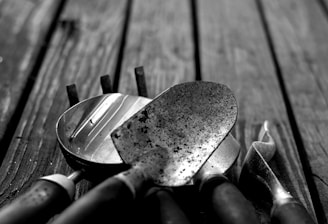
(272,54)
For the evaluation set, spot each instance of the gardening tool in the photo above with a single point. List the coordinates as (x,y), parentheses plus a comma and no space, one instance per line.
(256,172)
(165,143)
(83,132)
(224,202)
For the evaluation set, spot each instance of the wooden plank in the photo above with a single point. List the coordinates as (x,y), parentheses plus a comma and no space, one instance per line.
(159,39)
(299,31)
(235,52)
(24,26)
(83,48)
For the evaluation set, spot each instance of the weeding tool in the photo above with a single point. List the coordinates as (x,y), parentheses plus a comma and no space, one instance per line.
(285,209)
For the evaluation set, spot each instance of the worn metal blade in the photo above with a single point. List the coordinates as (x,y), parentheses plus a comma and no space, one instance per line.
(255,168)
(177,132)
(221,160)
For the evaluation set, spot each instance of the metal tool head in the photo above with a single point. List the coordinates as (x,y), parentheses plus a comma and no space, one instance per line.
(177,132)
(222,159)
(265,144)
(256,173)
(83,131)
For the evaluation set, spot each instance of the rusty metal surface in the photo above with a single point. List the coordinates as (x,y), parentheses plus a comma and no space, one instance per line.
(175,134)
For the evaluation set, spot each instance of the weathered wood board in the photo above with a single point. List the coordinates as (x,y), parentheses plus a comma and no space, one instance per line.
(252,46)
(299,31)
(159,39)
(234,51)
(83,48)
(24,26)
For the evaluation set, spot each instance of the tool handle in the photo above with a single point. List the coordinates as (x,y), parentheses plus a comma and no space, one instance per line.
(170,211)
(43,200)
(165,207)
(227,203)
(290,211)
(107,202)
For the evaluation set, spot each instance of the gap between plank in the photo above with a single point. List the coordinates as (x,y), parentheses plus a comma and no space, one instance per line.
(318,208)
(117,71)
(324,7)
(195,35)
(22,101)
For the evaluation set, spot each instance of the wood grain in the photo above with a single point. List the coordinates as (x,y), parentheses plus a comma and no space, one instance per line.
(83,48)
(299,32)
(159,39)
(235,52)
(24,26)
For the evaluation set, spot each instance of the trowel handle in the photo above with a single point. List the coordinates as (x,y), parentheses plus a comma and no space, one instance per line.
(165,208)
(108,201)
(290,211)
(44,199)
(226,203)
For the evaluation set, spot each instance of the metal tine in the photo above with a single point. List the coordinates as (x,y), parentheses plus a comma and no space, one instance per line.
(141,81)
(97,112)
(106,84)
(94,116)
(72,94)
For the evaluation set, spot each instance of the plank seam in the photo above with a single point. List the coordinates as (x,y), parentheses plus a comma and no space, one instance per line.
(321,179)
(318,208)
(324,7)
(120,56)
(32,76)
(196,39)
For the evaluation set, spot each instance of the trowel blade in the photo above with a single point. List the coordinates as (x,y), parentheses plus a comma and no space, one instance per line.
(178,131)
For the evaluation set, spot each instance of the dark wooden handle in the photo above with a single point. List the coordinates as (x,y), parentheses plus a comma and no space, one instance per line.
(169,210)
(291,212)
(105,203)
(226,203)
(37,205)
